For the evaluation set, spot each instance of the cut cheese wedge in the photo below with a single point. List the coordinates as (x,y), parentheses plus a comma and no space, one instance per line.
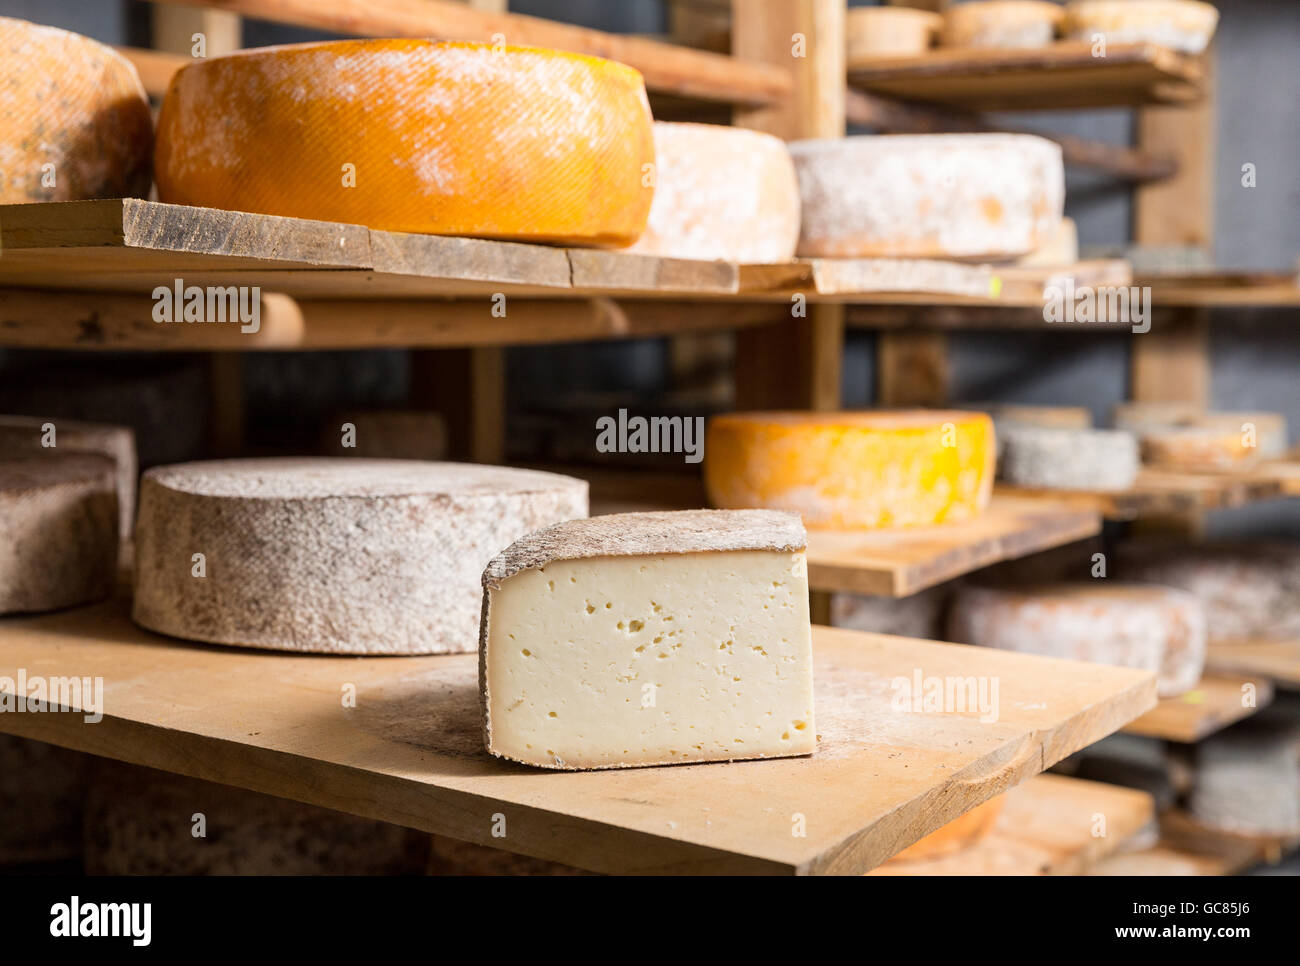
(853,469)
(649,639)
(76,119)
(721,193)
(1000,23)
(338,556)
(1184,25)
(929,195)
(413,135)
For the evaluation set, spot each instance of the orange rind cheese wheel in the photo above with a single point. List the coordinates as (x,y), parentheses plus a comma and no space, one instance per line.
(76,119)
(853,470)
(415,135)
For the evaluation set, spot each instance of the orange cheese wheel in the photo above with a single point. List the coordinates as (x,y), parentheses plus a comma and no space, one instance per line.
(961,833)
(414,135)
(852,470)
(76,119)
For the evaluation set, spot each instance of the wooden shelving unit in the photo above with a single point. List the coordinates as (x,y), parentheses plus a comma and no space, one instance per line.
(1214,704)
(1278,660)
(1160,492)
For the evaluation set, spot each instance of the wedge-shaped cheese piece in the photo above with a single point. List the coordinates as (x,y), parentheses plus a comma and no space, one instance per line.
(76,120)
(1046,457)
(414,135)
(1154,628)
(339,556)
(853,469)
(721,193)
(1000,23)
(929,195)
(649,639)
(58,531)
(1185,25)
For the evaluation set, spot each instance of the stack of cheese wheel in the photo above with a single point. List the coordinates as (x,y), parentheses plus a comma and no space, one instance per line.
(1000,23)
(26,436)
(1154,628)
(850,470)
(341,556)
(1247,778)
(1184,25)
(414,135)
(929,195)
(888,32)
(59,520)
(76,119)
(1184,436)
(722,193)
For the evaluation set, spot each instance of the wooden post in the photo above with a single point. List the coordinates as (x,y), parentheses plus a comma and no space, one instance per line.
(795,364)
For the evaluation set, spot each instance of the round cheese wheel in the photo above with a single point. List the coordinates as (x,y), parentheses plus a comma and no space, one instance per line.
(58,515)
(1198,448)
(343,556)
(76,119)
(1185,25)
(1000,23)
(961,833)
(721,193)
(1248,777)
(1048,457)
(414,135)
(1181,434)
(28,436)
(889,31)
(1158,629)
(929,195)
(853,469)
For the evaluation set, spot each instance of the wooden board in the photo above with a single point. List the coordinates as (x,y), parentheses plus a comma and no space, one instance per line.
(410,751)
(1049,826)
(1163,492)
(1185,832)
(1230,289)
(1278,660)
(1064,75)
(1212,705)
(1167,859)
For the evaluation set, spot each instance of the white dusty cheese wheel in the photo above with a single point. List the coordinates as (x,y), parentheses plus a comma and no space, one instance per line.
(41,792)
(929,195)
(1248,777)
(58,518)
(414,135)
(889,31)
(918,615)
(1045,457)
(387,435)
(721,193)
(142,822)
(76,119)
(1153,628)
(649,639)
(30,436)
(1185,25)
(335,556)
(1000,23)
(1250,590)
(853,469)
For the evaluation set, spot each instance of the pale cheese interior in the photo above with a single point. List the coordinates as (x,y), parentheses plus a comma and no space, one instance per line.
(722,639)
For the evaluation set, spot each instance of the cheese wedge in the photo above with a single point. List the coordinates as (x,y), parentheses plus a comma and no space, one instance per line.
(853,469)
(76,119)
(1184,25)
(649,639)
(414,135)
(1000,23)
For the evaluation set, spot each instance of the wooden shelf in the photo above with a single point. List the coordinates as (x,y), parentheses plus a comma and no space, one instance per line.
(1223,289)
(1212,705)
(1278,660)
(1167,859)
(1184,832)
(1160,492)
(1064,75)
(410,752)
(1046,828)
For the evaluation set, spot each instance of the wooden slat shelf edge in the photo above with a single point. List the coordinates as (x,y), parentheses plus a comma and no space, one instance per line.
(1278,660)
(1160,492)
(410,751)
(1215,703)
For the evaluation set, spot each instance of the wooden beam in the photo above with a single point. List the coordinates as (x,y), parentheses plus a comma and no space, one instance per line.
(911,368)
(666,68)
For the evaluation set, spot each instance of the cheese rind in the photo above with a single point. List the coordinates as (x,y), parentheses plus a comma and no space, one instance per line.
(1000,23)
(77,122)
(1184,25)
(853,469)
(415,135)
(1153,628)
(1184,436)
(1043,457)
(649,639)
(721,193)
(929,195)
(342,556)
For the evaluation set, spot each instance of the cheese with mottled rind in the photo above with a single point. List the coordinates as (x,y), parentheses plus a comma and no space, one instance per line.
(862,469)
(649,639)
(76,118)
(1184,25)
(1000,23)
(415,135)
(339,556)
(929,195)
(1049,457)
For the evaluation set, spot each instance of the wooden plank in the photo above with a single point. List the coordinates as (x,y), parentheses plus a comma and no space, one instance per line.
(1223,289)
(1216,702)
(155,67)
(1063,75)
(410,751)
(1278,660)
(666,68)
(1165,859)
(1049,826)
(630,274)
(1184,831)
